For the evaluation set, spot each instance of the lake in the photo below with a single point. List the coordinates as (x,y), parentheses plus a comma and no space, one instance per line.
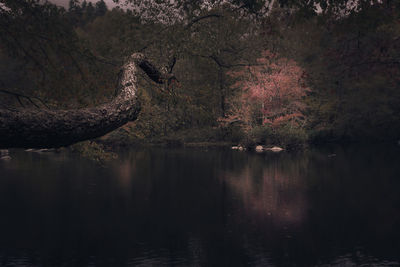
(330,206)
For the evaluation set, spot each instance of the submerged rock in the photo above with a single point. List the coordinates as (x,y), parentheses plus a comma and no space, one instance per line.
(43,150)
(4,154)
(6,158)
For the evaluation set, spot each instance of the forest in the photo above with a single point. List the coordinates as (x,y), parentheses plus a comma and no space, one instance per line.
(199,133)
(249,72)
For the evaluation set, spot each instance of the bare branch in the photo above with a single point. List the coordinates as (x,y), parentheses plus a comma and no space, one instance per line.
(221,64)
(190,24)
(20,96)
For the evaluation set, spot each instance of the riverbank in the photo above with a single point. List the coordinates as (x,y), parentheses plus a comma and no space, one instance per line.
(289,139)
(210,137)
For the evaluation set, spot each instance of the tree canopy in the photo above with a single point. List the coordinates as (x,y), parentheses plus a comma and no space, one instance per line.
(325,70)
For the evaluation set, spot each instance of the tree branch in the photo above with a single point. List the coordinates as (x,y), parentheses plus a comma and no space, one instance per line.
(221,64)
(191,23)
(39,128)
(29,98)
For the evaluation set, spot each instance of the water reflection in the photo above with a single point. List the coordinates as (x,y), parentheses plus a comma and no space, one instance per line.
(268,191)
(157,207)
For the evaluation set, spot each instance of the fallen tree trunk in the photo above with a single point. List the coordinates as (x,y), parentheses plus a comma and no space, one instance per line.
(28,128)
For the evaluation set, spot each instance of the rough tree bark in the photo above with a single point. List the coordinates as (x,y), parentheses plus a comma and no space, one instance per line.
(30,128)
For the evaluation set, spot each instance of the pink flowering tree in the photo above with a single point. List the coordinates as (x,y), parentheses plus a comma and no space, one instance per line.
(271,93)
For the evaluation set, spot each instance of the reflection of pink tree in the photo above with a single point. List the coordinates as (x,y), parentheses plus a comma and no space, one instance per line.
(271,92)
(274,193)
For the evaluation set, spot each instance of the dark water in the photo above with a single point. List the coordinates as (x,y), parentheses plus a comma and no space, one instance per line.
(202,208)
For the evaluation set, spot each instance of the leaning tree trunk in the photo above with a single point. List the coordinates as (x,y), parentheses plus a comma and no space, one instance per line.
(29,128)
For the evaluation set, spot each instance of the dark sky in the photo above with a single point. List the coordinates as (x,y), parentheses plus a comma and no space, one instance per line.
(64,3)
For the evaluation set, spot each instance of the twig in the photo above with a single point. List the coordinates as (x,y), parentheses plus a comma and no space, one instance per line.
(22,96)
(190,24)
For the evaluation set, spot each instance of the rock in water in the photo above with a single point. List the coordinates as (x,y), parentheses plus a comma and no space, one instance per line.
(4,154)
(259,149)
(275,149)
(239,147)
(6,158)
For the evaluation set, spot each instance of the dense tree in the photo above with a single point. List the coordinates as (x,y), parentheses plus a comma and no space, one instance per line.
(100,8)
(44,127)
(352,66)
(55,128)
(333,73)
(273,91)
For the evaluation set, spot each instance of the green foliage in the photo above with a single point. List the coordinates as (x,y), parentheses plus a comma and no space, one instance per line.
(285,136)
(71,58)
(352,68)
(94,151)
(54,61)
(291,137)
(261,134)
